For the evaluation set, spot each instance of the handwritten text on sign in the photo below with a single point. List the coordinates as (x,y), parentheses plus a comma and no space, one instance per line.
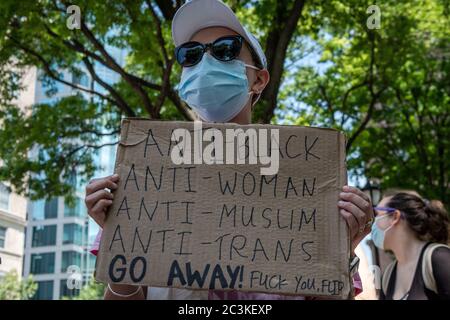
(227,226)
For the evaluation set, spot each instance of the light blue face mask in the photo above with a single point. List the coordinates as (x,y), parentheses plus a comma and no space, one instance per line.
(216,90)
(378,234)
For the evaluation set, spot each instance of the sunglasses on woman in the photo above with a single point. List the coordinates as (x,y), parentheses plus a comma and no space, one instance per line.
(224,49)
(388,210)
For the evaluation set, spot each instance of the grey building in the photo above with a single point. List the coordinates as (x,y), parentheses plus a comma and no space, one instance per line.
(57,235)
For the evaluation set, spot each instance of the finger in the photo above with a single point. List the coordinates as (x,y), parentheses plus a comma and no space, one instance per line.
(351,222)
(99,218)
(354,198)
(101,206)
(114,177)
(93,198)
(98,212)
(358,192)
(359,215)
(102,183)
(365,197)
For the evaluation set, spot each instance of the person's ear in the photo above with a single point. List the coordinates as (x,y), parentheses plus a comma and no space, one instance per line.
(396,216)
(262,78)
(261,81)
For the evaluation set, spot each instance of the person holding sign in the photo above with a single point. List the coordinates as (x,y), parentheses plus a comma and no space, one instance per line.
(224,74)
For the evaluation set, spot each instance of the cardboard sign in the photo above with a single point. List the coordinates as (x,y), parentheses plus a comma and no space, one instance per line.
(211,223)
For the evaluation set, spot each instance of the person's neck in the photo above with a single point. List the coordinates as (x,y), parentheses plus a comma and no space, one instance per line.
(407,248)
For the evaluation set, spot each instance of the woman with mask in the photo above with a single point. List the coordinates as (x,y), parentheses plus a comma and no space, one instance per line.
(416,231)
(224,72)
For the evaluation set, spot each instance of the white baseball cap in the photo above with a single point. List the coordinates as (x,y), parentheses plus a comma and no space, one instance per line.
(199,14)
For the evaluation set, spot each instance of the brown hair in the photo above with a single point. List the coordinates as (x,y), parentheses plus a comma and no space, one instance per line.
(394,191)
(428,219)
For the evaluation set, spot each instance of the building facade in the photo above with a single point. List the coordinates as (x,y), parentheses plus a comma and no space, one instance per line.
(58,235)
(13,208)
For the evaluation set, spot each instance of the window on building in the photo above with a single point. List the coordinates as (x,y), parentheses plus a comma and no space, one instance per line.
(45,209)
(37,210)
(91,262)
(70,258)
(4,197)
(51,208)
(42,263)
(72,179)
(73,234)
(92,230)
(2,236)
(64,290)
(44,236)
(44,290)
(25,236)
(75,210)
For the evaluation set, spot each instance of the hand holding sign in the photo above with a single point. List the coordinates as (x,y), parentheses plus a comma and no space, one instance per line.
(356,208)
(98,199)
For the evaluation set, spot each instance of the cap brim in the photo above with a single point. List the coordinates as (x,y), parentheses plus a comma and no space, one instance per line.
(199,14)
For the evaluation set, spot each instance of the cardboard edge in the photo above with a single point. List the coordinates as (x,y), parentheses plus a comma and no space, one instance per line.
(341,140)
(231,123)
(125,126)
(342,145)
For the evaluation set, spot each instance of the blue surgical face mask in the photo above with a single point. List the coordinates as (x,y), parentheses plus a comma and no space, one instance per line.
(378,234)
(216,90)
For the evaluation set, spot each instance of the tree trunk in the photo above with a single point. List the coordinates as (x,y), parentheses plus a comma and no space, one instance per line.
(283,27)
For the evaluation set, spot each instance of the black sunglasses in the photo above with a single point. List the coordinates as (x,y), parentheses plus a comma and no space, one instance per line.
(224,49)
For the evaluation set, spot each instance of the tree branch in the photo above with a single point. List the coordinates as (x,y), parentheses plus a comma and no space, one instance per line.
(418,138)
(166,86)
(167,9)
(181,106)
(75,45)
(362,125)
(347,93)
(276,47)
(88,146)
(159,34)
(123,105)
(168,61)
(47,68)
(329,104)
(95,132)
(374,95)
(78,47)
(116,67)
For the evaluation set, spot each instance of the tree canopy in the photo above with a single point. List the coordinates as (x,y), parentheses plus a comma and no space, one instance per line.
(14,288)
(91,291)
(387,88)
